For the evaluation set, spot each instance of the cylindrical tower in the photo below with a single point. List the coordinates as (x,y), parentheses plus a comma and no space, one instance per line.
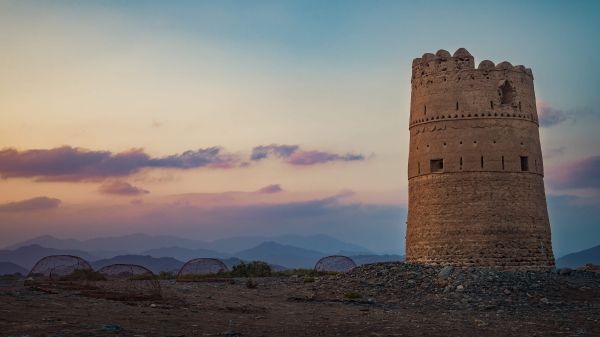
(475,169)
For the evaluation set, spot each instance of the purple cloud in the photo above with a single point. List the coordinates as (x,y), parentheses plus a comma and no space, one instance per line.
(281,151)
(121,188)
(292,154)
(584,173)
(319,157)
(275,188)
(75,164)
(32,204)
(549,116)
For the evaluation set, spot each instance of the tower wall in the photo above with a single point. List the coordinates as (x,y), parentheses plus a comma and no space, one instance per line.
(476,190)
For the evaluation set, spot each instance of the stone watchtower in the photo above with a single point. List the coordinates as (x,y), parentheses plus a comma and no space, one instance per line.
(475,170)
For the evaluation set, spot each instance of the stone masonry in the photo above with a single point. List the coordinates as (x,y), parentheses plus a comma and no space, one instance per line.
(475,168)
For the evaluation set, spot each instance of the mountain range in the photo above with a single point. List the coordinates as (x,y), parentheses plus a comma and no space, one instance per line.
(141,243)
(591,255)
(168,253)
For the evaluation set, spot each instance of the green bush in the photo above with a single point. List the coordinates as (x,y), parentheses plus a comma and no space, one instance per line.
(252,269)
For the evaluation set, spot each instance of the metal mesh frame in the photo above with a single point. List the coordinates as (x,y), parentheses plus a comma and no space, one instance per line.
(202,266)
(335,263)
(124,271)
(54,267)
(128,282)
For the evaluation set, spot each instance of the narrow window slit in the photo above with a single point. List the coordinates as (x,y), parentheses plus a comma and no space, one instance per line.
(524,163)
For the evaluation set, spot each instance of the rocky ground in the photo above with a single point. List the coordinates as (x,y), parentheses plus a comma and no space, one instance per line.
(391,299)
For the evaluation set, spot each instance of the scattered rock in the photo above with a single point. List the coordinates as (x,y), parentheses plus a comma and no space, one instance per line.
(445,272)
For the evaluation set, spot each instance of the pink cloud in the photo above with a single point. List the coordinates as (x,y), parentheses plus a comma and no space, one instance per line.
(121,188)
(33,204)
(275,188)
(579,174)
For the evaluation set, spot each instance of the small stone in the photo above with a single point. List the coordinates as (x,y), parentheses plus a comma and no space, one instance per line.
(460,288)
(544,300)
(445,272)
(565,271)
(507,292)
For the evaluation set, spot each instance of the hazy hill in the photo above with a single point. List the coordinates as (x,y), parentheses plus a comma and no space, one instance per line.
(133,243)
(183,254)
(9,268)
(284,255)
(27,256)
(591,255)
(142,243)
(167,264)
(320,243)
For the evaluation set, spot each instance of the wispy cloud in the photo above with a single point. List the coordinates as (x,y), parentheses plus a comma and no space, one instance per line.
(32,204)
(275,188)
(292,154)
(550,116)
(281,151)
(75,164)
(121,188)
(579,174)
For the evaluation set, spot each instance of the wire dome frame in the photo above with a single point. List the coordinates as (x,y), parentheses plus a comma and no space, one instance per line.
(335,263)
(55,267)
(125,271)
(128,282)
(201,266)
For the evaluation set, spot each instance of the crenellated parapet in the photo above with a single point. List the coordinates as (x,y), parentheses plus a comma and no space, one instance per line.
(448,86)
(461,60)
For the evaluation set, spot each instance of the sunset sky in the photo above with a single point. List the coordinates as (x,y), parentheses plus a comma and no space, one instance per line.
(210,119)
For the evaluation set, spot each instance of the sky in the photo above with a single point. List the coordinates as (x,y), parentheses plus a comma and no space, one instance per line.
(210,119)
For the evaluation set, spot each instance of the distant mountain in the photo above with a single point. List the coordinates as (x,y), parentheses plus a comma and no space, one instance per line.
(9,268)
(320,242)
(365,259)
(142,243)
(27,256)
(283,255)
(591,255)
(156,265)
(133,243)
(183,254)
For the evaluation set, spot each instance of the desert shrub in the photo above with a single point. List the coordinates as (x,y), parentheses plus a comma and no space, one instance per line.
(252,269)
(166,275)
(352,295)
(301,273)
(220,275)
(309,279)
(251,284)
(83,275)
(11,277)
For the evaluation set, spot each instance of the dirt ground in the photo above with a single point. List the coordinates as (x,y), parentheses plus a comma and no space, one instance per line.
(286,307)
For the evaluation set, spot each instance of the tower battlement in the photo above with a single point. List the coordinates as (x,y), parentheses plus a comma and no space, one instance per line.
(461,60)
(450,87)
(475,168)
